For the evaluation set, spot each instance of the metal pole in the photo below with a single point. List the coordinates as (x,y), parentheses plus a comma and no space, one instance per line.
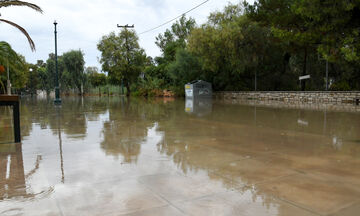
(327,75)
(127,49)
(57,89)
(255,80)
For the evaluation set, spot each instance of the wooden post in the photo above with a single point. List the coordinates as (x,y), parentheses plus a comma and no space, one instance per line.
(16,119)
(13,100)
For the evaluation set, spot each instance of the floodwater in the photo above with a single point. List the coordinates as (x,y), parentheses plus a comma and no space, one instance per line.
(114,156)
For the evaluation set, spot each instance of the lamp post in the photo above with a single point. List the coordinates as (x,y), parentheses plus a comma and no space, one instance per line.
(8,80)
(31,82)
(57,100)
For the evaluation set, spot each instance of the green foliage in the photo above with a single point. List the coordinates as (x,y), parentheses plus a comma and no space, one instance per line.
(73,74)
(234,49)
(329,28)
(43,77)
(270,43)
(336,22)
(70,69)
(51,73)
(96,79)
(170,67)
(340,86)
(16,64)
(174,38)
(121,57)
(34,79)
(185,68)
(265,45)
(149,87)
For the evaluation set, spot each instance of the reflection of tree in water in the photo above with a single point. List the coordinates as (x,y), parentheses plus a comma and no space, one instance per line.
(179,137)
(182,144)
(123,138)
(340,124)
(129,121)
(177,141)
(189,151)
(6,123)
(74,114)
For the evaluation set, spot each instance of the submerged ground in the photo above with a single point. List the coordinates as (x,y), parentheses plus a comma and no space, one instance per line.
(115,156)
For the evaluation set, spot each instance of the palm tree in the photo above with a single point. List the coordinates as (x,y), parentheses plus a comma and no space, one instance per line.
(9,3)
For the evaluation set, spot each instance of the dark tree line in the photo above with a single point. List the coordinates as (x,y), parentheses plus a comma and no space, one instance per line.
(266,45)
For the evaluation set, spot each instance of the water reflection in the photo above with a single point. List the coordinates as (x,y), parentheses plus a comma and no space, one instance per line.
(58,108)
(12,177)
(198,106)
(223,156)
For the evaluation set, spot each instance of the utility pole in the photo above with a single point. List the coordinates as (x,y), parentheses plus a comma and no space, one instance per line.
(127,54)
(57,100)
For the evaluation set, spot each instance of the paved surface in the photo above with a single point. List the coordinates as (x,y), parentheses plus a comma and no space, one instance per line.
(119,157)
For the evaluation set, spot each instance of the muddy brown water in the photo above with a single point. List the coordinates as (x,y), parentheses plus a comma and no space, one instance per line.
(119,156)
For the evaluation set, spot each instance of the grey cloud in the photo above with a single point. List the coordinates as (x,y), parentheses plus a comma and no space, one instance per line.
(83,22)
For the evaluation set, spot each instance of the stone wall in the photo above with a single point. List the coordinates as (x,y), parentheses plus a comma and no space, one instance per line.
(333,107)
(292,96)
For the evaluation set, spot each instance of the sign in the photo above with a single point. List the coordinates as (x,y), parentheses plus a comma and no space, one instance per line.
(304,77)
(189,93)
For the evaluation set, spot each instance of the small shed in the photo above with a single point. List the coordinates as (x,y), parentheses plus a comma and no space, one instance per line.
(198,88)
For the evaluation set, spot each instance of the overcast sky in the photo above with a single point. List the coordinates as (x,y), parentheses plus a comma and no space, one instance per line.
(82,23)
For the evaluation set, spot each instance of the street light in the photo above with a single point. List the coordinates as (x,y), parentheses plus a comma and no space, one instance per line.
(57,100)
(8,80)
(31,81)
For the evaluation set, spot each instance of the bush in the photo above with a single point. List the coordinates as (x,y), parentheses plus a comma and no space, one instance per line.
(340,86)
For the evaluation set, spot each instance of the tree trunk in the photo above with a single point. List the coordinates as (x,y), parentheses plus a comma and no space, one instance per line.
(127,88)
(304,70)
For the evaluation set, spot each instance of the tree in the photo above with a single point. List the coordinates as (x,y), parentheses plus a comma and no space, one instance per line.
(286,24)
(324,28)
(15,63)
(50,72)
(175,38)
(74,69)
(338,24)
(43,79)
(169,43)
(33,80)
(122,57)
(9,3)
(96,79)
(237,53)
(185,69)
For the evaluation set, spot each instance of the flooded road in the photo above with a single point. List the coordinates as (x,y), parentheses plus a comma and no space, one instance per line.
(114,156)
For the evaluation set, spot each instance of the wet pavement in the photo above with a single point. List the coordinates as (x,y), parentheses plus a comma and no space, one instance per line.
(114,156)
